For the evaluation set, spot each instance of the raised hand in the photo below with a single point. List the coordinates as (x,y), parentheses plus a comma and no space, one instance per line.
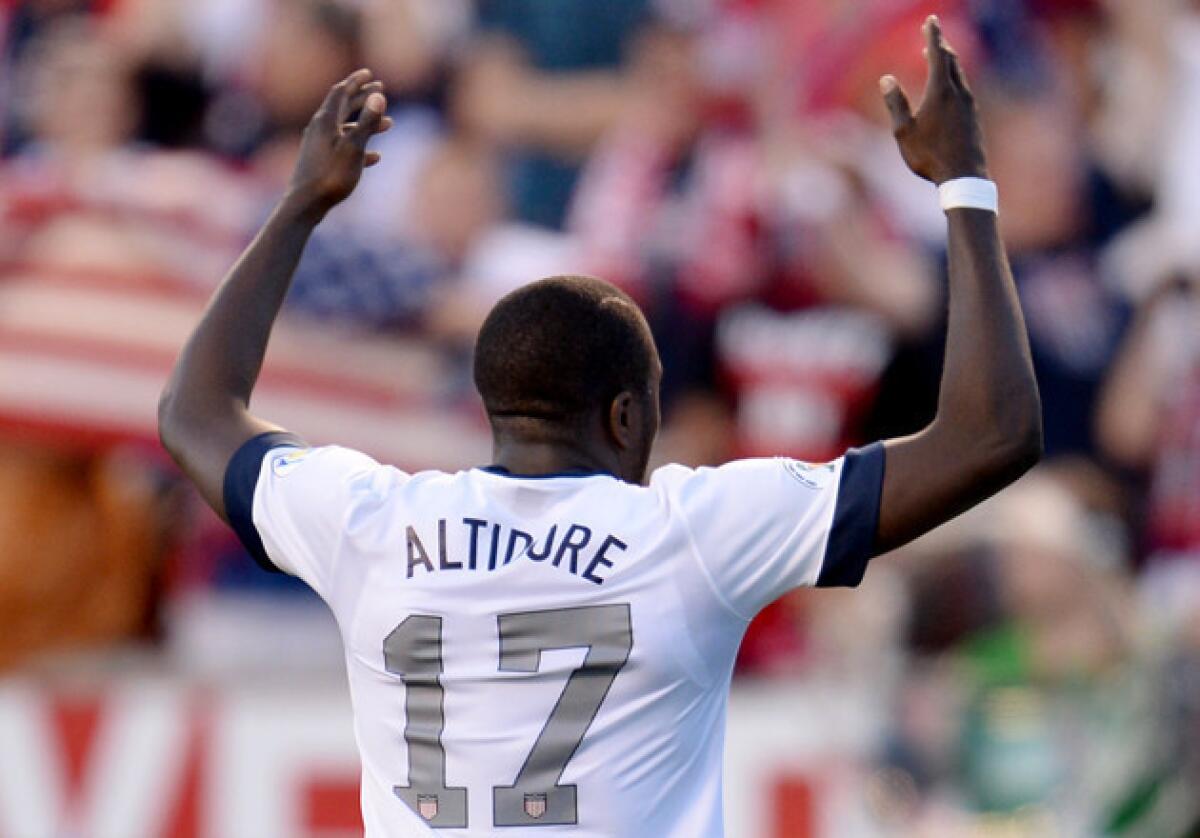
(942,140)
(334,152)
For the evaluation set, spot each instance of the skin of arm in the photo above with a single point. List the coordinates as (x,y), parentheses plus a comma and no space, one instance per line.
(988,427)
(203,413)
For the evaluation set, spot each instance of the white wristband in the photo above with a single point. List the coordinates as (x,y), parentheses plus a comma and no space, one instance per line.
(969,193)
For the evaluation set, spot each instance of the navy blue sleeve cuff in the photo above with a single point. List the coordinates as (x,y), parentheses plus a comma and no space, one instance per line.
(855,520)
(241,476)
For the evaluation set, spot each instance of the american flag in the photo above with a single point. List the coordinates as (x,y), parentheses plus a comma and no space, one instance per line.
(84,355)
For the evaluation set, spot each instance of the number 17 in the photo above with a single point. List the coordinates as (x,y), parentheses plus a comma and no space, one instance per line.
(413,651)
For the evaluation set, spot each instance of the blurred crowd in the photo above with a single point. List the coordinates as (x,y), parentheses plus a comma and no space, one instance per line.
(728,163)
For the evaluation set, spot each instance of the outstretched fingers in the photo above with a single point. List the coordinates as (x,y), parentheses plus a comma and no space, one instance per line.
(945,71)
(353,86)
(336,107)
(371,121)
(935,54)
(897,104)
(954,69)
(355,103)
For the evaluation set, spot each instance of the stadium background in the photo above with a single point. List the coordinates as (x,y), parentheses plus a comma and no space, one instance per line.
(1033,669)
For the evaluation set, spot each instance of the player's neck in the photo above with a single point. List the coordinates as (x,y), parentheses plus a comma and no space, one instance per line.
(533,458)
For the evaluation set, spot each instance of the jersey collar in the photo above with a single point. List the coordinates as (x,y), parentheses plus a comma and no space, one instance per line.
(503,472)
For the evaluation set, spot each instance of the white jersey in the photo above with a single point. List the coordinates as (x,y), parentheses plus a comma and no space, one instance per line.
(547,653)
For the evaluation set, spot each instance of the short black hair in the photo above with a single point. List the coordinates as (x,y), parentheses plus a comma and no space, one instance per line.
(560,348)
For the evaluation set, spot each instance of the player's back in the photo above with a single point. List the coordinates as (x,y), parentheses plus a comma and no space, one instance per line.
(546,652)
(582,657)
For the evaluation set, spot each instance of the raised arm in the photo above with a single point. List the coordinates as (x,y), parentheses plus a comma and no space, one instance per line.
(203,413)
(988,428)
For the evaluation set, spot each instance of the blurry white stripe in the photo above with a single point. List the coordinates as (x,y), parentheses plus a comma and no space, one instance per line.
(134,774)
(31,798)
(158,323)
(76,391)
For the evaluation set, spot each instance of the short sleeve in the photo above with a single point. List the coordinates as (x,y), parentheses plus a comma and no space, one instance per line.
(762,527)
(288,502)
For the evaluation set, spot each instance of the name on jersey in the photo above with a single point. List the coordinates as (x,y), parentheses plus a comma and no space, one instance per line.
(572,548)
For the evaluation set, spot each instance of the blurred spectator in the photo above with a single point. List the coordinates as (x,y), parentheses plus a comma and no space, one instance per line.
(81,546)
(1149,419)
(749,236)
(392,278)
(1075,321)
(305,46)
(82,195)
(545,85)
(1036,577)
(80,100)
(458,214)
(1025,593)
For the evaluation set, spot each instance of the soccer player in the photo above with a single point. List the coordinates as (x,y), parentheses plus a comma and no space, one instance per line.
(546,642)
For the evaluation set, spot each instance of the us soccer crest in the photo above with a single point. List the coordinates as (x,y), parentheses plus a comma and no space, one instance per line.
(281,465)
(807,473)
(535,805)
(427,806)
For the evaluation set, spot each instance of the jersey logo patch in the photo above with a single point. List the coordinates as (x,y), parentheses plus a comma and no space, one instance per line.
(427,806)
(285,463)
(807,473)
(535,805)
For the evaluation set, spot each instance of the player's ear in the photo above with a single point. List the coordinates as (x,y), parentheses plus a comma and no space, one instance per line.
(623,419)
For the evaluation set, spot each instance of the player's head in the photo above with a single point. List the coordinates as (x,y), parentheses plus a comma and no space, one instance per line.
(569,361)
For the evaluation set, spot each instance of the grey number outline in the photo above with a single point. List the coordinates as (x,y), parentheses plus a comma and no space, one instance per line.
(535,798)
(415,654)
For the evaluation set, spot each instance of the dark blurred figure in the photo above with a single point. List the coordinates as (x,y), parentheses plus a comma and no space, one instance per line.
(544,83)
(1021,625)
(1075,321)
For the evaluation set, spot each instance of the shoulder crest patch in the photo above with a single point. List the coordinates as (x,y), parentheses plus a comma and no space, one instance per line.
(281,464)
(811,475)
